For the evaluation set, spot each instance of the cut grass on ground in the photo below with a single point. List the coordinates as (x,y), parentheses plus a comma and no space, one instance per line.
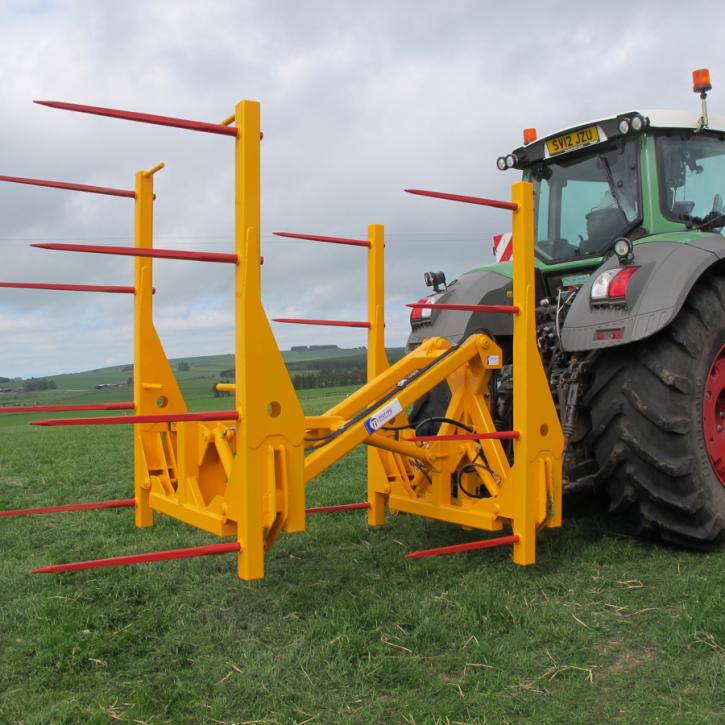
(343,629)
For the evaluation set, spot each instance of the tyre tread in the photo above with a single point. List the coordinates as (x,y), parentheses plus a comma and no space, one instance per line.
(649,461)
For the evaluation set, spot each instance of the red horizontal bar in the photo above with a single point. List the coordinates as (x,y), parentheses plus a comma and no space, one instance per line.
(139,252)
(108,191)
(501,435)
(132,419)
(69,287)
(90,506)
(64,408)
(335,509)
(188,553)
(143,117)
(331,240)
(127,502)
(504,309)
(497,204)
(331,323)
(460,548)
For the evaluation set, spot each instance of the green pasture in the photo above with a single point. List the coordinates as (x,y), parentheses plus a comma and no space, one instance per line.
(604,628)
(199,367)
(198,375)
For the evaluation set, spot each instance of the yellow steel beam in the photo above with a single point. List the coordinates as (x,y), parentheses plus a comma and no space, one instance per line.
(535,416)
(270,414)
(377,358)
(344,442)
(150,361)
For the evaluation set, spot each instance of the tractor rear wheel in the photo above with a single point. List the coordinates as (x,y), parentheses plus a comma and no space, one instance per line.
(658,415)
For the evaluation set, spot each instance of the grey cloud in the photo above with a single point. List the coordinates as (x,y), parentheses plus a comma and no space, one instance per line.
(359,101)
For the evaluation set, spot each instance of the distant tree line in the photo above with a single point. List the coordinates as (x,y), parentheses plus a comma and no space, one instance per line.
(39,384)
(330,378)
(324,373)
(358,360)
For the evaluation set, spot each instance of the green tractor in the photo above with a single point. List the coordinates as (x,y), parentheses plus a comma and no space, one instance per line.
(630,264)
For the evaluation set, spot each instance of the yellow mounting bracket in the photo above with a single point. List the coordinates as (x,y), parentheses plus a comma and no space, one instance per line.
(245,477)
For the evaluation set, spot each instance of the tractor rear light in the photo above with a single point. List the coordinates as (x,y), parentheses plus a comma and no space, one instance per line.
(612,284)
(611,334)
(422,314)
(600,288)
(416,314)
(529,136)
(620,282)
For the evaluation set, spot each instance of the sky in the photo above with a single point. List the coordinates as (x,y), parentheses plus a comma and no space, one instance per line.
(359,101)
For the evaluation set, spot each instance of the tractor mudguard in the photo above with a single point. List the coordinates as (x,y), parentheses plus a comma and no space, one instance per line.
(657,291)
(480,287)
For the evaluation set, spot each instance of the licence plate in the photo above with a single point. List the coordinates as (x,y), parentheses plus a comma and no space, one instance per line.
(574,280)
(574,140)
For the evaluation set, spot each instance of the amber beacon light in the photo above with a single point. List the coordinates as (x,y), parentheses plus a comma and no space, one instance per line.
(701,80)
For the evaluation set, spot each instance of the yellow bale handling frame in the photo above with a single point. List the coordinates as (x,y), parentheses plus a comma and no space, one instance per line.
(243,474)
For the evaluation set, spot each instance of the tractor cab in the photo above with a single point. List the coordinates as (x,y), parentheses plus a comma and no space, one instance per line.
(633,175)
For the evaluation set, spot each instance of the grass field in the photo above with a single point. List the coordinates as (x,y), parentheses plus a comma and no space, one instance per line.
(343,629)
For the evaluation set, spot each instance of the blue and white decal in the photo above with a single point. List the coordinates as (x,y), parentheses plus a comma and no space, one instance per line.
(382,416)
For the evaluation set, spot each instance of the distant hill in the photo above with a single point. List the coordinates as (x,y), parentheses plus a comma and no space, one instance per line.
(197,378)
(211,366)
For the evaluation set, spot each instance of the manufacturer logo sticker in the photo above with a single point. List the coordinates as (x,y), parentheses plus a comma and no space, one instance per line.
(382,416)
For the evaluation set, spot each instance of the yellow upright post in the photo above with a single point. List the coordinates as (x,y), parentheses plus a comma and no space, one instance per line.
(154,384)
(268,464)
(377,359)
(537,453)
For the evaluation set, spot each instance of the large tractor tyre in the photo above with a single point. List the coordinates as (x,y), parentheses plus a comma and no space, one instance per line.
(658,413)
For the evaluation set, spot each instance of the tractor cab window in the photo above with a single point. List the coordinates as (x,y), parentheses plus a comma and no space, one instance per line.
(584,203)
(692,173)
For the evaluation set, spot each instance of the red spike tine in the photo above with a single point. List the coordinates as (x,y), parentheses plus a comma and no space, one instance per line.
(331,240)
(127,502)
(66,408)
(70,186)
(329,323)
(497,204)
(460,548)
(70,287)
(137,252)
(133,419)
(338,508)
(143,117)
(503,309)
(188,553)
(90,506)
